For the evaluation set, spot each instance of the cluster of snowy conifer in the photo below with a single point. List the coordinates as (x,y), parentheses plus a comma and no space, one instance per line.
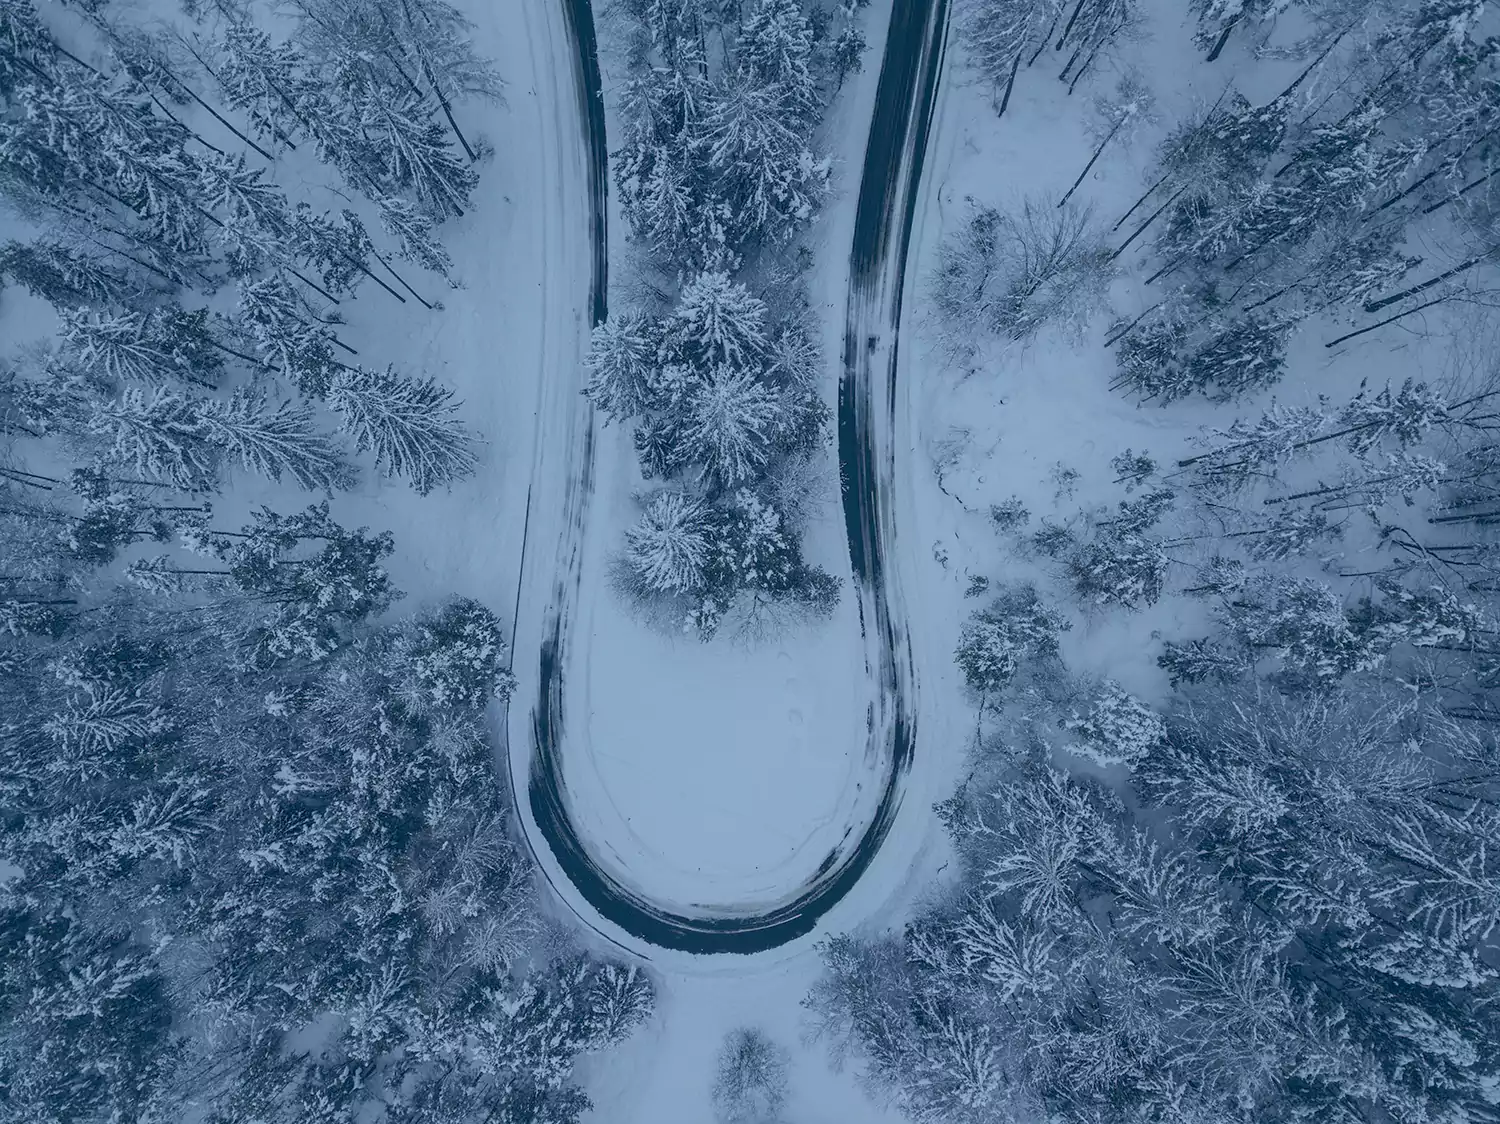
(1289,915)
(716,176)
(255,864)
(1277,897)
(258,862)
(1266,215)
(722,408)
(719,113)
(141,224)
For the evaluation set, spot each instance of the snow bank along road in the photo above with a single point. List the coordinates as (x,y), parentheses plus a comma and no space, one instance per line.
(562,483)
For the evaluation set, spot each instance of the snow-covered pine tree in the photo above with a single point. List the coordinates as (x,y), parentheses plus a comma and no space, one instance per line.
(411,425)
(1116,729)
(997,641)
(668,549)
(159,435)
(1236,357)
(275,440)
(422,47)
(168,343)
(455,657)
(622,359)
(285,334)
(775,50)
(1120,563)
(719,321)
(67,278)
(1306,626)
(311,599)
(412,228)
(728,425)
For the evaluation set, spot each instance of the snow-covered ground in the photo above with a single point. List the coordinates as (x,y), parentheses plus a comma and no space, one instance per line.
(743,785)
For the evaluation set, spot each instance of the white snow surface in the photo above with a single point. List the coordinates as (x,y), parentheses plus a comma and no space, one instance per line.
(708,777)
(721,773)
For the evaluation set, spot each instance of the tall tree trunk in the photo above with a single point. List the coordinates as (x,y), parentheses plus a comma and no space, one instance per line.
(402,280)
(1092,160)
(1063,38)
(1290,90)
(437,91)
(1084,68)
(1136,205)
(1387,320)
(1015,64)
(1468,187)
(1063,77)
(1125,331)
(1042,46)
(1138,231)
(1461,267)
(1213,54)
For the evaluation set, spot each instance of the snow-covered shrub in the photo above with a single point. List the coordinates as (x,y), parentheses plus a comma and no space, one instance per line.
(1014,274)
(751,1081)
(1009,515)
(1117,728)
(1120,564)
(668,548)
(456,658)
(999,639)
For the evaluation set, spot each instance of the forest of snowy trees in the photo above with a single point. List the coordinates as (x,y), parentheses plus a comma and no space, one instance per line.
(1276,897)
(718,369)
(255,860)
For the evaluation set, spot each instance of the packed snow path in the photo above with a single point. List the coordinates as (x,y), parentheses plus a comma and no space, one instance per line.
(895,150)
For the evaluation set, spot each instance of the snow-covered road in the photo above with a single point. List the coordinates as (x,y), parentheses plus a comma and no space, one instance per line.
(562,484)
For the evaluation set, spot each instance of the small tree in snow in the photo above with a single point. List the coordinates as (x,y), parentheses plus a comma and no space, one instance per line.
(997,641)
(1117,115)
(668,549)
(1117,728)
(750,1085)
(411,425)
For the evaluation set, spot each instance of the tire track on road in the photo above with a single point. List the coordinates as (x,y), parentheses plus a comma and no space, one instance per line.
(894,155)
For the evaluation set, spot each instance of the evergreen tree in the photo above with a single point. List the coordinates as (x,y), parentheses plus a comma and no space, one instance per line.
(286,336)
(64,277)
(275,440)
(668,548)
(159,435)
(411,425)
(997,641)
(728,426)
(1120,564)
(168,343)
(621,361)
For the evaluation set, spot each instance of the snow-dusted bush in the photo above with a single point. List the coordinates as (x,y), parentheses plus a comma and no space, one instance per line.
(1117,728)
(1016,273)
(750,1084)
(455,658)
(668,548)
(998,640)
